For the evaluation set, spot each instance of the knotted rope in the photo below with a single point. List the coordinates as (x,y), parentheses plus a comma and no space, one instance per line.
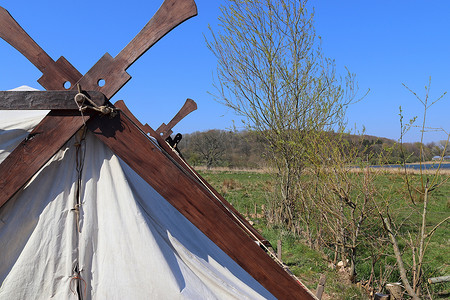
(81,98)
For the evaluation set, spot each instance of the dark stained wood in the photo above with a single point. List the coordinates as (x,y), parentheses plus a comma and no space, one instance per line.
(321,286)
(112,70)
(150,163)
(34,100)
(221,202)
(54,130)
(255,233)
(166,130)
(170,14)
(55,74)
(32,153)
(180,190)
(124,108)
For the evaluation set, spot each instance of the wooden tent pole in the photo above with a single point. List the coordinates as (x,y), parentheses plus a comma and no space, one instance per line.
(148,161)
(34,152)
(201,182)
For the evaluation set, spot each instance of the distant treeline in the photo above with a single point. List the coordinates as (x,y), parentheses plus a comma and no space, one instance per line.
(220,148)
(246,149)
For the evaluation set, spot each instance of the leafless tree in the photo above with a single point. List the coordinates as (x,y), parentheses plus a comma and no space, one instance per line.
(271,70)
(419,194)
(211,146)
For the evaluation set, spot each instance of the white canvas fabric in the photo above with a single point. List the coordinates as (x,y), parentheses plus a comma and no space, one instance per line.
(126,240)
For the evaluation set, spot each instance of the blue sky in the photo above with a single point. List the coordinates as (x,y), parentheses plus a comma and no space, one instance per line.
(386,43)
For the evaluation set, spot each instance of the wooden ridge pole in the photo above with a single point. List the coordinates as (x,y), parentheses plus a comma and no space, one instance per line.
(34,152)
(195,204)
(53,131)
(201,182)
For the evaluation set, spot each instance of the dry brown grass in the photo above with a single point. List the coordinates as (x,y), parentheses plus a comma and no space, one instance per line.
(388,170)
(226,169)
(400,170)
(230,184)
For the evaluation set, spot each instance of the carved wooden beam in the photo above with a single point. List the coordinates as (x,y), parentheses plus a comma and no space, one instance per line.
(113,70)
(32,153)
(55,74)
(46,100)
(150,163)
(220,201)
(166,130)
(51,134)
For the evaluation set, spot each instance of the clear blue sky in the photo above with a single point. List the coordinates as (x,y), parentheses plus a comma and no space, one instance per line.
(386,43)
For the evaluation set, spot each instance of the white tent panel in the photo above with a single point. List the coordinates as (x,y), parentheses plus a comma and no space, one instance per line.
(36,256)
(127,241)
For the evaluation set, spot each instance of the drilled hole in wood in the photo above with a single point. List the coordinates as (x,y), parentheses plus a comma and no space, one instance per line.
(101,82)
(67,85)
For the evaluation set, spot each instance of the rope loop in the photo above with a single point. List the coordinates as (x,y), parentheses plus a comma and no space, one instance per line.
(80,99)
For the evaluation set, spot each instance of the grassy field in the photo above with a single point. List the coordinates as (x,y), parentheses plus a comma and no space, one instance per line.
(248,191)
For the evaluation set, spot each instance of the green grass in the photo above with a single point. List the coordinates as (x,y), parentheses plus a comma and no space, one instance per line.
(438,252)
(242,189)
(245,189)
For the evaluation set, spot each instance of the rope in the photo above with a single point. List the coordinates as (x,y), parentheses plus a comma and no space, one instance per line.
(77,277)
(81,98)
(80,155)
(76,209)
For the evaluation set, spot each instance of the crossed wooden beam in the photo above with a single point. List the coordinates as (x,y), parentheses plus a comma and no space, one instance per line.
(158,164)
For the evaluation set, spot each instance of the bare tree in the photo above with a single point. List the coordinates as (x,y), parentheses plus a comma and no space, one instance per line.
(211,146)
(271,71)
(342,196)
(419,195)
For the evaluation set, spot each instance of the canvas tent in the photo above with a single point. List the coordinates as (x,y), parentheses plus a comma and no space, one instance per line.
(131,243)
(87,224)
(96,205)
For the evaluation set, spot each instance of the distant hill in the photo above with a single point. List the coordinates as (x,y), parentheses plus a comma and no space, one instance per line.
(246,149)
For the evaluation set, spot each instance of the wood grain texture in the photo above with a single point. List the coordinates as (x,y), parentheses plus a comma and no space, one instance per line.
(221,202)
(180,190)
(41,149)
(112,70)
(55,74)
(35,100)
(32,153)
(166,130)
